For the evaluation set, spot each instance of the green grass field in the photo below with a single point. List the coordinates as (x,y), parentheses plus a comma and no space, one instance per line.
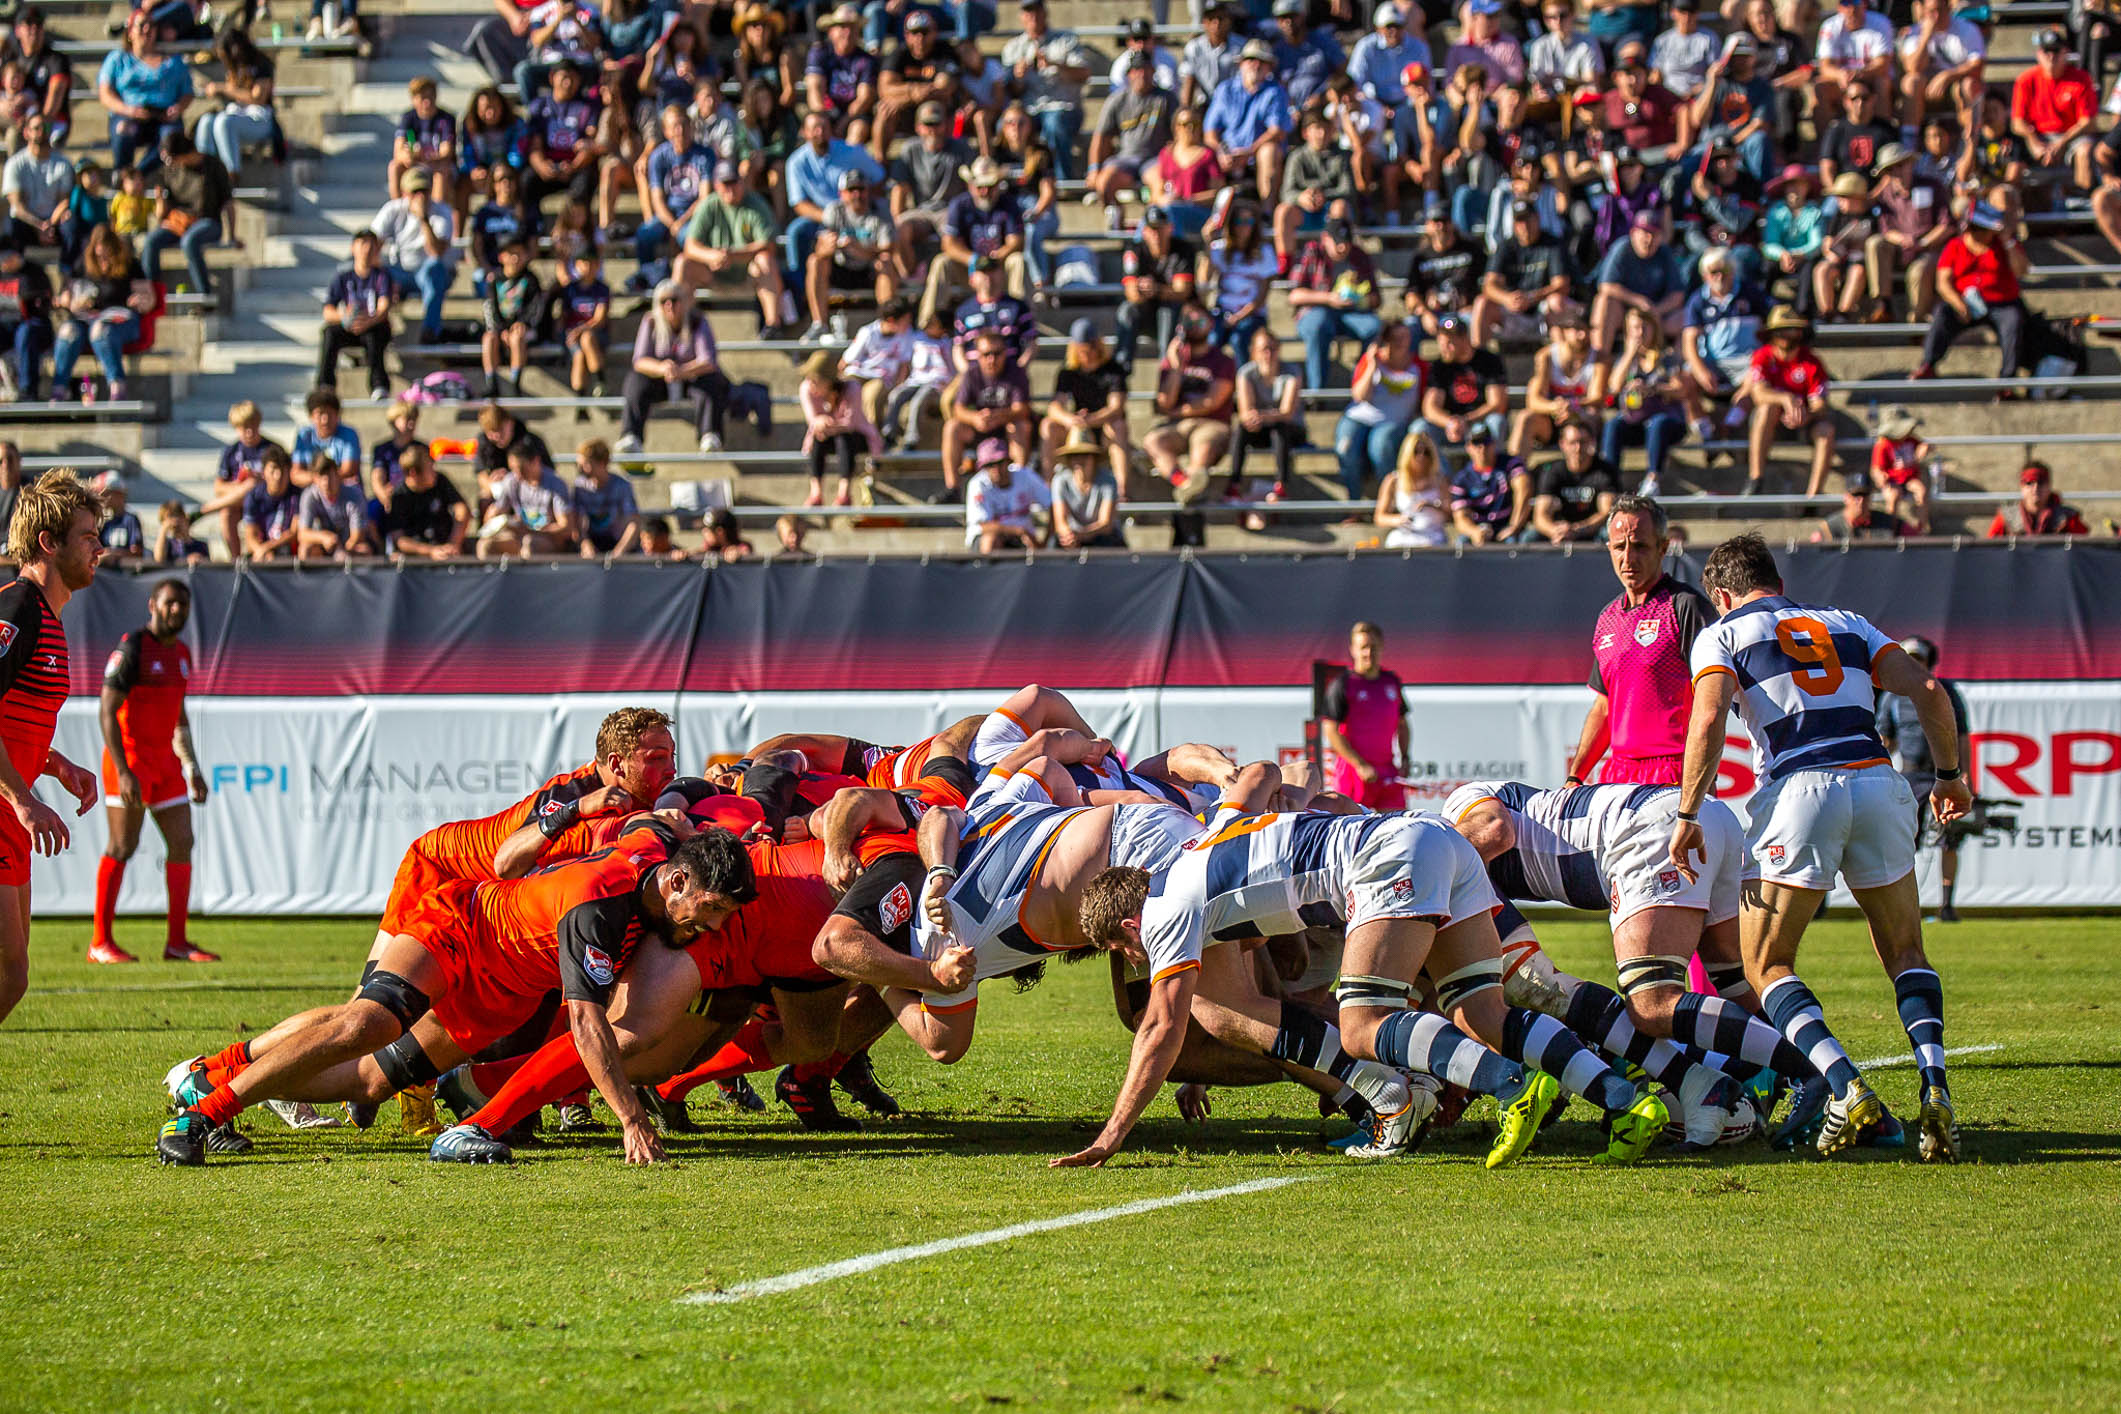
(336,1270)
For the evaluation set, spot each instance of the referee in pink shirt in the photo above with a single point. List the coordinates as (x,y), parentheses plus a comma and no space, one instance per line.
(1639,655)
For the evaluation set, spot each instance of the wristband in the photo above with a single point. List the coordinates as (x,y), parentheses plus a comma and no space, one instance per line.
(1951,775)
(947,871)
(1690,816)
(554,820)
(1572,780)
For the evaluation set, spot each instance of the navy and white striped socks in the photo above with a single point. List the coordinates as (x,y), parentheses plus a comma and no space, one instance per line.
(1424,1041)
(1796,1014)
(1545,1044)
(1921,997)
(1716,1025)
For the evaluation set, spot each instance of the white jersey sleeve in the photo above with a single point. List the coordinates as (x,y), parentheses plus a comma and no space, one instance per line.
(1175,919)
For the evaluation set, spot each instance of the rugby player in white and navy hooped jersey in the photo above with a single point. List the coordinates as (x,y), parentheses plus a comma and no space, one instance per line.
(1640,652)
(1829,805)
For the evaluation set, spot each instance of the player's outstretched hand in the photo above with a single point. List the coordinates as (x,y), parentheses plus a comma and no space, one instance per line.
(1686,847)
(1951,799)
(1194,1104)
(642,1145)
(954,969)
(1091,1158)
(47,832)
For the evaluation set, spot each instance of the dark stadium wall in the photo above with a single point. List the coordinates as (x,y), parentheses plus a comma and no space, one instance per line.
(2025,613)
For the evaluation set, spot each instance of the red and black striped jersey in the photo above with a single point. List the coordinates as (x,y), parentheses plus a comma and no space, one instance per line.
(154,676)
(33,675)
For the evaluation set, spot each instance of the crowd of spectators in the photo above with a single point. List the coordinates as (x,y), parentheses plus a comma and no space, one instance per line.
(84,258)
(1659,205)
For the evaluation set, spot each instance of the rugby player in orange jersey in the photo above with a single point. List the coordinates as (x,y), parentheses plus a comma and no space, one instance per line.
(474,965)
(53,537)
(694,996)
(636,757)
(149,767)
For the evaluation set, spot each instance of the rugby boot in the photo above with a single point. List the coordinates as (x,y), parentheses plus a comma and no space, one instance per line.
(416,1112)
(1940,1127)
(1634,1130)
(668,1116)
(1521,1117)
(857,1079)
(468,1144)
(227,1140)
(183,1139)
(1850,1118)
(738,1094)
(812,1102)
(1807,1106)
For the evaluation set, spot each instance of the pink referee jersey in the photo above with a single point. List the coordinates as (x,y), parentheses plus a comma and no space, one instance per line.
(1639,660)
(1368,711)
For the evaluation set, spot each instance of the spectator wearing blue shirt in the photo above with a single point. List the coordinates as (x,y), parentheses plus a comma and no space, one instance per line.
(1491,493)
(1303,59)
(605,511)
(1641,273)
(979,222)
(677,173)
(1248,121)
(1721,327)
(146,92)
(1382,55)
(813,178)
(357,315)
(326,435)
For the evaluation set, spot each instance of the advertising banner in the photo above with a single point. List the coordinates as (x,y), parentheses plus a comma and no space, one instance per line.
(315,798)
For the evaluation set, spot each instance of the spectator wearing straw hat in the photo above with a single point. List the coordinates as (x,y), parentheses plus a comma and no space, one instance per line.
(1786,389)
(1085,500)
(981,222)
(1914,221)
(839,77)
(1248,121)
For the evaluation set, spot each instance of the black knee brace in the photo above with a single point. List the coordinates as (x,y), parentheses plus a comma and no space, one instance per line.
(395,995)
(405,1065)
(1643,974)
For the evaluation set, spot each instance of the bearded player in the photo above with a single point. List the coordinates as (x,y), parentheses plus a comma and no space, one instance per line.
(149,768)
(54,540)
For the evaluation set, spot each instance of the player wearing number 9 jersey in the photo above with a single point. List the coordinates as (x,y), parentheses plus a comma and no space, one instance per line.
(1829,805)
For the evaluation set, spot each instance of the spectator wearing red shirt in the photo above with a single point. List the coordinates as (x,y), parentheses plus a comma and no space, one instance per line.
(2053,106)
(1977,283)
(1786,387)
(1646,116)
(2038,510)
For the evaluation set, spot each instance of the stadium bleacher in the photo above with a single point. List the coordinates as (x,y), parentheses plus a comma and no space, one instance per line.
(256,339)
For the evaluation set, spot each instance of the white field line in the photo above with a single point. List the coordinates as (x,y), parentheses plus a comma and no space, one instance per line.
(1908,1057)
(890,1256)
